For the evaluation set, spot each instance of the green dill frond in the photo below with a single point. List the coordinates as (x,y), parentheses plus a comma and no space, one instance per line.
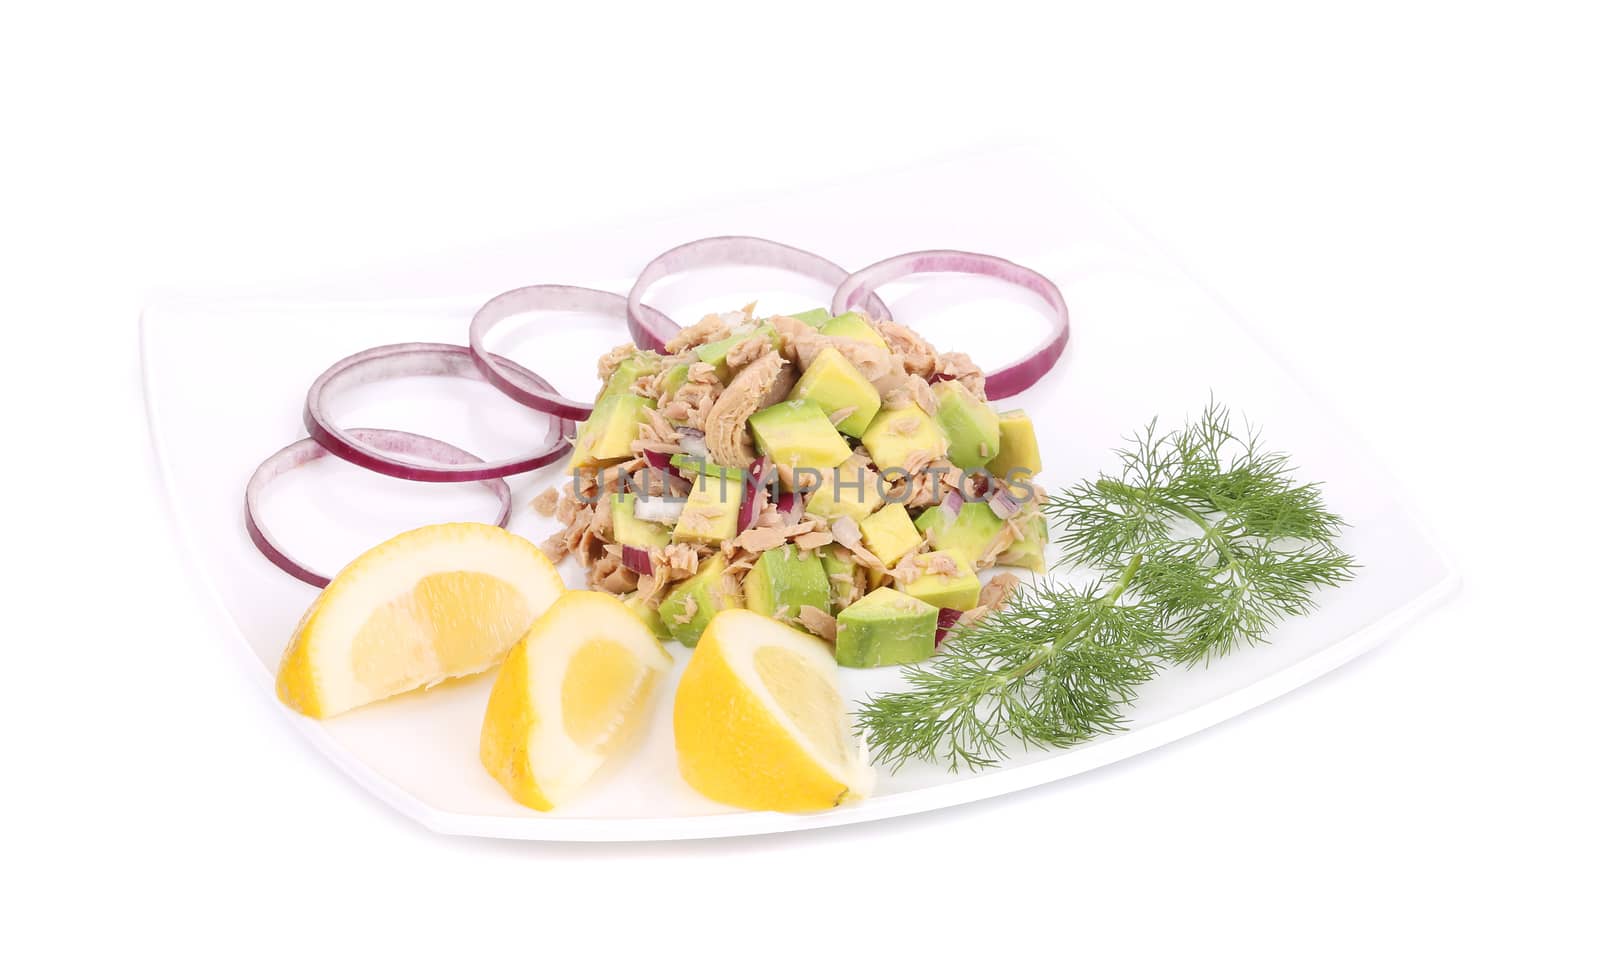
(1205,542)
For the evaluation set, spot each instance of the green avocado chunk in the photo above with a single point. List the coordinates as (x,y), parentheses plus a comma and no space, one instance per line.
(841,570)
(650,616)
(716,352)
(885,627)
(837,386)
(608,434)
(711,512)
(889,534)
(848,490)
(677,375)
(1028,552)
(784,580)
(695,467)
(812,318)
(970,423)
(895,435)
(968,536)
(692,604)
(641,364)
(957,592)
(1019,447)
(633,532)
(852,326)
(796,433)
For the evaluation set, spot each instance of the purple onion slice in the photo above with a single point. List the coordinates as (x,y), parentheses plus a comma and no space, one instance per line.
(1009,380)
(651,329)
(947,621)
(411,360)
(303,451)
(518,384)
(638,560)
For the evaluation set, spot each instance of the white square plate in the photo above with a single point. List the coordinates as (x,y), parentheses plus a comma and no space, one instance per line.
(225,381)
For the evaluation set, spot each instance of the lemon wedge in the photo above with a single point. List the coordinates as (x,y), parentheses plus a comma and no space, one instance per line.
(437,602)
(571,694)
(759,722)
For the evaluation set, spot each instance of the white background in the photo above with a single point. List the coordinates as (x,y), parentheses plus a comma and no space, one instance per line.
(1402,200)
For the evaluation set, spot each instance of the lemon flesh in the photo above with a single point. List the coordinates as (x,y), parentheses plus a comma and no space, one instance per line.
(440,601)
(759,722)
(573,692)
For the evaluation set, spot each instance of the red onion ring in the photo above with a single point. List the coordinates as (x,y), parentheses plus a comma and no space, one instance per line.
(529,389)
(1009,380)
(303,451)
(410,360)
(646,325)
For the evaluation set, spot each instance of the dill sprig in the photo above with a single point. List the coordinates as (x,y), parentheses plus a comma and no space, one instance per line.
(1203,542)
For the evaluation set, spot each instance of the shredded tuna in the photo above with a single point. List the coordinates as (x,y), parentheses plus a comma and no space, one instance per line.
(992,597)
(813,540)
(711,327)
(959,367)
(727,440)
(545,503)
(938,565)
(746,352)
(760,539)
(819,622)
(609,363)
(690,608)
(915,354)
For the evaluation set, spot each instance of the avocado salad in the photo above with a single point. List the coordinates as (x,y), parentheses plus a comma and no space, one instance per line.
(835,473)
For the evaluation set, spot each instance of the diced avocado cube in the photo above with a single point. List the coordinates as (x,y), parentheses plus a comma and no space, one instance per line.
(677,375)
(958,592)
(890,534)
(608,434)
(692,604)
(968,536)
(885,627)
(641,364)
(784,580)
(1029,551)
(796,433)
(633,532)
(852,326)
(647,613)
(970,423)
(1019,447)
(812,318)
(711,513)
(837,386)
(696,468)
(848,490)
(716,352)
(841,570)
(894,435)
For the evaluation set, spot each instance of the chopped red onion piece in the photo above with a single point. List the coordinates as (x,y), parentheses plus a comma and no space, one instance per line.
(788,504)
(658,460)
(694,444)
(1009,380)
(947,620)
(1004,505)
(638,560)
(416,360)
(665,510)
(651,330)
(951,505)
(513,381)
(752,492)
(304,451)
